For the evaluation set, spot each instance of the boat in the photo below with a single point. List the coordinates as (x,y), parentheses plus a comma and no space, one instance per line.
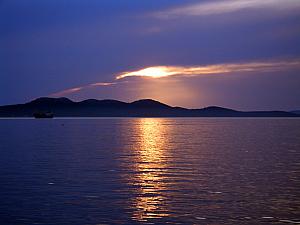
(41,115)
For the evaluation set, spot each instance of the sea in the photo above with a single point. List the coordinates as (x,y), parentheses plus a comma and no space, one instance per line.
(210,171)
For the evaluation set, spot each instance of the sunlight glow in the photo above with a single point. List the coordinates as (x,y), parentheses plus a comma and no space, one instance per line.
(154,72)
(166,71)
(151,167)
(169,71)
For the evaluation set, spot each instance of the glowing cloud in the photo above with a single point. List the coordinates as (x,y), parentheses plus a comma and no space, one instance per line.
(102,84)
(66,92)
(77,89)
(154,72)
(228,6)
(167,71)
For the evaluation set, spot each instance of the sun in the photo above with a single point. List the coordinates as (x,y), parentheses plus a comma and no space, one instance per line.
(154,72)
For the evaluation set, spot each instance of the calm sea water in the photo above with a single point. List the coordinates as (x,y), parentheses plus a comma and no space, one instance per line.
(149,171)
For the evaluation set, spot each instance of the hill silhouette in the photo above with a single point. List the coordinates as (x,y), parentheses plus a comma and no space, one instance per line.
(64,107)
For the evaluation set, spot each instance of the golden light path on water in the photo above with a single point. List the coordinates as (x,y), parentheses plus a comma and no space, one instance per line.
(150,166)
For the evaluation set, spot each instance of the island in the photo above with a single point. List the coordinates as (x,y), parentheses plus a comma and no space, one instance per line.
(64,107)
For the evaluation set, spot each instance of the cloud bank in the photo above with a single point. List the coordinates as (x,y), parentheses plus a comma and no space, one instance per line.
(228,6)
(167,71)
(156,72)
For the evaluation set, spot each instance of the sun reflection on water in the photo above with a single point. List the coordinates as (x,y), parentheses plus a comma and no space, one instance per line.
(150,168)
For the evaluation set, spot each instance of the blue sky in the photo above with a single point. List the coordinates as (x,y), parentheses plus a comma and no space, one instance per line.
(50,47)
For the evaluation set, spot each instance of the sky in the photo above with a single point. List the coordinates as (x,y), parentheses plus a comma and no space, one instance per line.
(241,54)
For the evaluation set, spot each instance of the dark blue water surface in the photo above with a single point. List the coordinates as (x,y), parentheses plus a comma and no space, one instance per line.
(149,171)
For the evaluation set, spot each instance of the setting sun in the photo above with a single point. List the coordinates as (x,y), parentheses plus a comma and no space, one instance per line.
(154,72)
(251,66)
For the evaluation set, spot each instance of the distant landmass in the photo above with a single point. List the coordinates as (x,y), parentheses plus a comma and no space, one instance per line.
(296,111)
(64,107)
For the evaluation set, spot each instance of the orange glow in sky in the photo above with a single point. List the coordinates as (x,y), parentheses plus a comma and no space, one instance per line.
(166,71)
(154,72)
(161,88)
